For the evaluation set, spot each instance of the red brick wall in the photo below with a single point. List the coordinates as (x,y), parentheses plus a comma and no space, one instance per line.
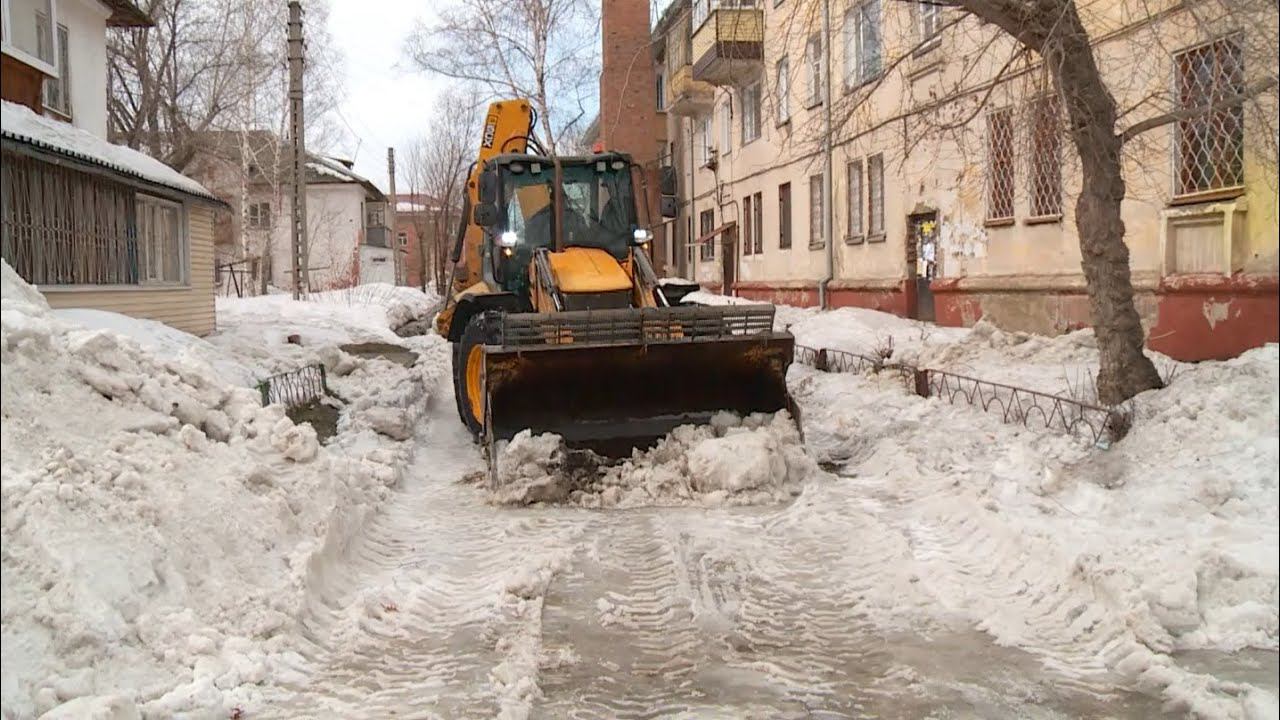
(629,119)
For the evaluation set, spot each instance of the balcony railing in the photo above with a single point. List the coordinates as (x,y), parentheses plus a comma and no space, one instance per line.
(729,45)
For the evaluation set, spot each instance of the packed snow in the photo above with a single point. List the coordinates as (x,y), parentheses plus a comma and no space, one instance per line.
(20,122)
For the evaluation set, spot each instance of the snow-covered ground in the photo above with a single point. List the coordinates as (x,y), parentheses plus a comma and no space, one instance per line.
(162,530)
(170,546)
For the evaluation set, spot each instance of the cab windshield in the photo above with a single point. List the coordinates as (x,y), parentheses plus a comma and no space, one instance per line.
(598,207)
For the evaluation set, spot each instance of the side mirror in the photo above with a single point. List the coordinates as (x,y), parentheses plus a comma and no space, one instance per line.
(489,187)
(485,214)
(668,207)
(666,180)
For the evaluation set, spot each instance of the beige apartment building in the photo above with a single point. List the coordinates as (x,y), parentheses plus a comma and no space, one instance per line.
(952,180)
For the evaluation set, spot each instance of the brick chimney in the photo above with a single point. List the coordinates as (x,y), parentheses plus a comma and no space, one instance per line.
(629,119)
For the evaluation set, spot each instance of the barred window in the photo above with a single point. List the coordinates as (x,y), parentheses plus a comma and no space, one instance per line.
(66,227)
(758,222)
(1210,145)
(854,195)
(784,216)
(747,217)
(707,223)
(1000,165)
(1045,171)
(816,239)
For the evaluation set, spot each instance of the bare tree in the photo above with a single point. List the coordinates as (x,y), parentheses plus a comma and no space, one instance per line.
(1029,51)
(436,167)
(211,65)
(543,50)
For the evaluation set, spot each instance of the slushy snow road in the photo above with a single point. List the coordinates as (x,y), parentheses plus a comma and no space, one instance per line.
(173,550)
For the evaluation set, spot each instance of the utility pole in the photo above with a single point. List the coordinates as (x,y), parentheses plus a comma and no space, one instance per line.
(398,262)
(297,130)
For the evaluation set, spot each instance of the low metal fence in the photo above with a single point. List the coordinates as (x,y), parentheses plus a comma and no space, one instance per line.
(295,387)
(1032,409)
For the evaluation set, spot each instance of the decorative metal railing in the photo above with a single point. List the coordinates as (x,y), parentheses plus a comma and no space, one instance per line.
(295,387)
(1032,409)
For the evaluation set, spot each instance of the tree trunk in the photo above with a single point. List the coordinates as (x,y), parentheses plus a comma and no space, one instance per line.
(1053,28)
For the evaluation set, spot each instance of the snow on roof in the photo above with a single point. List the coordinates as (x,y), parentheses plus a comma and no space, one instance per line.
(19,123)
(405,206)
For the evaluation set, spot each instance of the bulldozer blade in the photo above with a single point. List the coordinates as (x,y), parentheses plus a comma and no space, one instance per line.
(616,393)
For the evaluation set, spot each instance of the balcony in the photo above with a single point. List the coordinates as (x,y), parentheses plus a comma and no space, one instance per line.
(728,46)
(689,97)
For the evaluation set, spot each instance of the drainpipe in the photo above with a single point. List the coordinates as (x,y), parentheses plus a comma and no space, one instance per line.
(824,300)
(690,257)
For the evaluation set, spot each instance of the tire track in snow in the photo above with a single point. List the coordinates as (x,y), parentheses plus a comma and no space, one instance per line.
(434,610)
(623,614)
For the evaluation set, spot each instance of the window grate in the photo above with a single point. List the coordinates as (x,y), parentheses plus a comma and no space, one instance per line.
(707,223)
(816,240)
(1000,165)
(1045,169)
(1210,145)
(65,227)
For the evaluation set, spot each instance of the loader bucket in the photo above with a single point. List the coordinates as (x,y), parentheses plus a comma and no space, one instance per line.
(615,380)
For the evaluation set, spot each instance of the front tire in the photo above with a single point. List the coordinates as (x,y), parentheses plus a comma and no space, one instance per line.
(468,375)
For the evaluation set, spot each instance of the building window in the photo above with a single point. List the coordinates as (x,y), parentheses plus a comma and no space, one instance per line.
(783,90)
(1046,162)
(688,245)
(1210,144)
(928,22)
(751,113)
(861,43)
(706,224)
(816,240)
(748,247)
(660,91)
(813,59)
(704,138)
(375,215)
(757,222)
(57,96)
(784,216)
(259,215)
(402,238)
(160,240)
(1000,165)
(36,41)
(726,128)
(854,195)
(875,196)
(701,9)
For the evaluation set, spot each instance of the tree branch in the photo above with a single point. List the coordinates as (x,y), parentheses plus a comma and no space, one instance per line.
(1192,113)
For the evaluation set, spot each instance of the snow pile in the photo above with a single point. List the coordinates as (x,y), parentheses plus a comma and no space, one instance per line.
(1102,564)
(872,333)
(161,529)
(20,122)
(734,460)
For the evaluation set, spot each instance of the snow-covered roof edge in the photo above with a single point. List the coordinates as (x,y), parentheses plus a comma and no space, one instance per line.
(20,124)
(325,165)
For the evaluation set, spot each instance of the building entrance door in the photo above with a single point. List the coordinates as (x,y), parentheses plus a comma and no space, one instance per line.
(922,256)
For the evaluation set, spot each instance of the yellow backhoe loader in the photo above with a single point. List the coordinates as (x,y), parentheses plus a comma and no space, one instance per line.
(556,317)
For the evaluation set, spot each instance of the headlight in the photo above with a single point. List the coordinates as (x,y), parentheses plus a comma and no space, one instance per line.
(641,236)
(508,239)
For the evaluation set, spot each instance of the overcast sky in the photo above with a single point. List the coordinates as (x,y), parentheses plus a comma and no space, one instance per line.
(387,100)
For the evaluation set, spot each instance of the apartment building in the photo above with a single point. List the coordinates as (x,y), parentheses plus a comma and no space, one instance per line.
(952,179)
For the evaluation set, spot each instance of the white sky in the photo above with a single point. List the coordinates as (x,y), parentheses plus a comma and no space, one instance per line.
(386,100)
